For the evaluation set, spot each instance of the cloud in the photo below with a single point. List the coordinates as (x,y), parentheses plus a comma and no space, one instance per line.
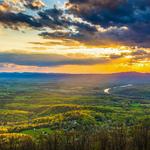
(135,15)
(139,52)
(53,19)
(33,4)
(59,19)
(13,14)
(90,22)
(111,13)
(91,37)
(20,5)
(132,32)
(140,55)
(17,20)
(48,60)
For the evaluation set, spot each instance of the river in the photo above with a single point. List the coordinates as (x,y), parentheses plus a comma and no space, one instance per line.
(107,90)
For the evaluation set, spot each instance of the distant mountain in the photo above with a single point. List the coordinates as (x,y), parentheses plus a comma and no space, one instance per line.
(29,75)
(132,77)
(128,77)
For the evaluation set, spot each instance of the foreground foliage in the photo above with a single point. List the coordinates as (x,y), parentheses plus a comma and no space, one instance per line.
(119,138)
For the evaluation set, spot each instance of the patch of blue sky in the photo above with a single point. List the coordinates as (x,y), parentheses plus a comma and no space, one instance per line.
(49,4)
(58,3)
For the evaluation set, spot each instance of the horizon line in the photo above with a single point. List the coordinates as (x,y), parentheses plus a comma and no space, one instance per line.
(76,73)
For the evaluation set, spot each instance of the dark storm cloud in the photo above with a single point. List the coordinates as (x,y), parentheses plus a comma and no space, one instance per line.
(130,19)
(15,20)
(90,36)
(134,14)
(47,60)
(111,13)
(56,18)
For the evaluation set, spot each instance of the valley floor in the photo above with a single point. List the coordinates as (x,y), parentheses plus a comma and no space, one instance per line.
(70,112)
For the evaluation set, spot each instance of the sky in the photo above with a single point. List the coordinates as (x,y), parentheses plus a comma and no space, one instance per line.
(75,36)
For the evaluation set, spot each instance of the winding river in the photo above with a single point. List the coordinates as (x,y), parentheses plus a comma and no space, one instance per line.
(107,91)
